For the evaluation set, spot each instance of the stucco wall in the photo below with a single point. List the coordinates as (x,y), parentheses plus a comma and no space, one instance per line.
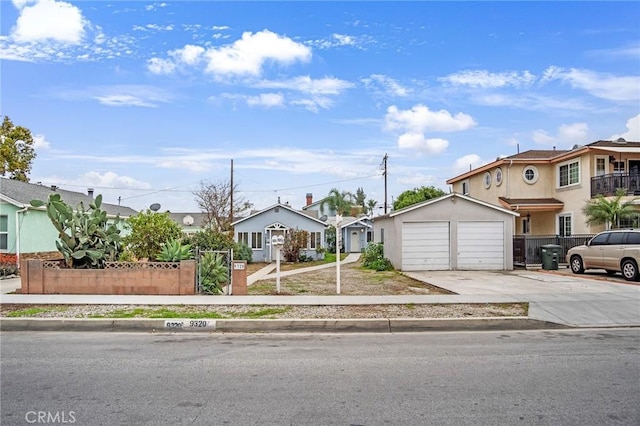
(444,210)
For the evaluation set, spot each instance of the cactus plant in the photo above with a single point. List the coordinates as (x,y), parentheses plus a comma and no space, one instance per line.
(87,240)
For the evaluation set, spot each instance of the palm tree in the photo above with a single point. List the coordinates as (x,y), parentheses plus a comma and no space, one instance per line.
(371,205)
(608,211)
(340,202)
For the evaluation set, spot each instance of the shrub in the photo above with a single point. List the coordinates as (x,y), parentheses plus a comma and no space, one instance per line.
(373,258)
(8,264)
(209,240)
(149,231)
(242,251)
(294,242)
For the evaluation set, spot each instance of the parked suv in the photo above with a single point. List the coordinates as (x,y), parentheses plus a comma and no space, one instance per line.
(614,251)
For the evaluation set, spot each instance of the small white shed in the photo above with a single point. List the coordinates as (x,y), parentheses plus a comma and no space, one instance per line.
(452,232)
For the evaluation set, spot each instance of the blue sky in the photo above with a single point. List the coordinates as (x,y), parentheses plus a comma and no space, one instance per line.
(144,100)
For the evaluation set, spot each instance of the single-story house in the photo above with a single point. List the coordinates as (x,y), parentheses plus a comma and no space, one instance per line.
(26,229)
(452,232)
(357,232)
(257,230)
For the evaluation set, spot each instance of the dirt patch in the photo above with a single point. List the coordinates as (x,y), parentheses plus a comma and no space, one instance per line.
(267,312)
(354,280)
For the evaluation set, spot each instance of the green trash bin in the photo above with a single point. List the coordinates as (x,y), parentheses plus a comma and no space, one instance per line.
(550,256)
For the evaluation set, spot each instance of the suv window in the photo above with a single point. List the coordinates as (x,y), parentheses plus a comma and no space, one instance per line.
(599,240)
(616,238)
(633,238)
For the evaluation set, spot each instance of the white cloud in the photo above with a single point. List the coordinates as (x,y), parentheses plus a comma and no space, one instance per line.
(417,142)
(120,95)
(633,130)
(111,180)
(420,119)
(49,20)
(485,79)
(266,100)
(315,103)
(566,136)
(601,85)
(466,163)
(418,179)
(386,85)
(248,55)
(161,66)
(305,84)
(188,55)
(39,142)
(190,165)
(344,40)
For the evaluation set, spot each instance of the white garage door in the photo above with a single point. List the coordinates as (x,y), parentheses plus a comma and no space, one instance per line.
(481,245)
(425,246)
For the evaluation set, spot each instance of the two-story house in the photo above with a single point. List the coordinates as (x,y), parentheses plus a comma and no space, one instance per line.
(549,188)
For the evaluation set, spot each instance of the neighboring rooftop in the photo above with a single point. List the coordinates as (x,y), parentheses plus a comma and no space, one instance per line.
(21,193)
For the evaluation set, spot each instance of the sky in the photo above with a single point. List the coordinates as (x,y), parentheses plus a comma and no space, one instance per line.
(144,101)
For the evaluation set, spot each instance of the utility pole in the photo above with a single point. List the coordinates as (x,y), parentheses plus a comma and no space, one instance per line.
(231,195)
(384,173)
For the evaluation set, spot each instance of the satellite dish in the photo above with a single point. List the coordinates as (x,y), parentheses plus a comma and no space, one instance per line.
(154,207)
(323,218)
(188,220)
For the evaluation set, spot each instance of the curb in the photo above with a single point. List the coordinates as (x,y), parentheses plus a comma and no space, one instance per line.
(365,325)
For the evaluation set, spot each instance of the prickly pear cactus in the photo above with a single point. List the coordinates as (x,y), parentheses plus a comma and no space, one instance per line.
(87,240)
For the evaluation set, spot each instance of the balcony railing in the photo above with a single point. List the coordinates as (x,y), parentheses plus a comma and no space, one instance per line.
(608,185)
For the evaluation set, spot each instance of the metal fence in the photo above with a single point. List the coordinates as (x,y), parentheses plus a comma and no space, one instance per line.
(526,248)
(213,271)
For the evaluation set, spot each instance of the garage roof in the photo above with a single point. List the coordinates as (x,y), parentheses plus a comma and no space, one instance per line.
(452,196)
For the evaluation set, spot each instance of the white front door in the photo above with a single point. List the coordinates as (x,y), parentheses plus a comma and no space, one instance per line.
(354,242)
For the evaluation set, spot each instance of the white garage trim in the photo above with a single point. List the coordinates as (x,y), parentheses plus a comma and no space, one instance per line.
(481,245)
(425,246)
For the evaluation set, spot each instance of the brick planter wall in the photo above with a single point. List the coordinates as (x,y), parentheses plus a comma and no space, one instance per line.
(45,277)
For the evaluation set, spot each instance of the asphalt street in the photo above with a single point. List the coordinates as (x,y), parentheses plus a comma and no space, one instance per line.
(568,377)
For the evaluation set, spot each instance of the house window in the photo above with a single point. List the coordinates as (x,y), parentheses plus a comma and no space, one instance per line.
(4,232)
(382,235)
(487,180)
(526,225)
(314,240)
(498,176)
(618,167)
(564,225)
(601,166)
(369,236)
(465,187)
(255,242)
(530,174)
(569,174)
(632,221)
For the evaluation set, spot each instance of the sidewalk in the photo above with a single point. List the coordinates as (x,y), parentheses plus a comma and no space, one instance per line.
(562,300)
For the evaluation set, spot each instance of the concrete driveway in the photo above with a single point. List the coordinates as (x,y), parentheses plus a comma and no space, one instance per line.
(578,301)
(521,282)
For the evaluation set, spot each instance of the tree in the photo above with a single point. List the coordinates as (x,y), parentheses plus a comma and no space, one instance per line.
(149,231)
(608,211)
(214,199)
(341,202)
(371,205)
(361,199)
(416,195)
(294,242)
(16,151)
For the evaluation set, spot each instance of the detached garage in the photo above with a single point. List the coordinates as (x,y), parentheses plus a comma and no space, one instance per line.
(453,232)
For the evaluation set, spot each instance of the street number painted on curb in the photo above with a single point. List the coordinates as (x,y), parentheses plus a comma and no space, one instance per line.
(187,324)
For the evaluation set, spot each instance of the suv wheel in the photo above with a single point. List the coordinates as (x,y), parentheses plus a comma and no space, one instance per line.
(576,265)
(630,270)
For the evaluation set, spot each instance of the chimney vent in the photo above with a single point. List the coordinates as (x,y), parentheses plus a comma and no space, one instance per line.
(309,199)
(90,192)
